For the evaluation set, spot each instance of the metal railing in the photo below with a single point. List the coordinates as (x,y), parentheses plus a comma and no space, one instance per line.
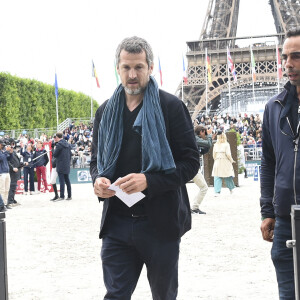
(33,133)
(252,153)
(64,125)
(37,132)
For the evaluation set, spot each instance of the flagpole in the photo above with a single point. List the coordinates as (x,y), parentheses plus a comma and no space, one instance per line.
(278,83)
(92,92)
(229,87)
(206,83)
(56,113)
(251,54)
(183,78)
(56,97)
(182,89)
(91,100)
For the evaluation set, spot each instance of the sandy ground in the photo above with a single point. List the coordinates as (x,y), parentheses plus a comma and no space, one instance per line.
(54,251)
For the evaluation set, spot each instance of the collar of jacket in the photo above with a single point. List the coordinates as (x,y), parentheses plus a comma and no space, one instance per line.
(286,100)
(282,97)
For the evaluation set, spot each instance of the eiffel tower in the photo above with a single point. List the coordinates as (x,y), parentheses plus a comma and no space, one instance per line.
(218,33)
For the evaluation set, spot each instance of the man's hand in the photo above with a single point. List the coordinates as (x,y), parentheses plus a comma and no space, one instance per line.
(132,183)
(101,188)
(15,170)
(267,229)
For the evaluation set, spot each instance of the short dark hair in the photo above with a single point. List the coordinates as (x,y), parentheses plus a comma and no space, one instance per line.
(59,135)
(200,128)
(293,31)
(135,45)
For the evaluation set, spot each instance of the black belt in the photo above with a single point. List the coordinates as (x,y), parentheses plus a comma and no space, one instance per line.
(138,216)
(131,215)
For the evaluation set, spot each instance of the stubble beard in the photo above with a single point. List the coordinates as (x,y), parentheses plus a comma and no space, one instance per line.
(295,82)
(138,90)
(133,92)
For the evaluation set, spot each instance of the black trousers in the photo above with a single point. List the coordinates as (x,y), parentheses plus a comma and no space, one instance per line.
(64,179)
(14,177)
(128,244)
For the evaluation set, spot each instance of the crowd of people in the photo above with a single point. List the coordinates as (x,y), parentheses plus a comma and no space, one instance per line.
(27,156)
(248,126)
(158,163)
(32,159)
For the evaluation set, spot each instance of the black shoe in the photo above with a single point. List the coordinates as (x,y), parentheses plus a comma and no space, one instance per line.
(3,208)
(197,211)
(69,198)
(55,198)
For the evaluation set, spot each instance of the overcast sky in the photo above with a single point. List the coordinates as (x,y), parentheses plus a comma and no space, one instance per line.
(39,36)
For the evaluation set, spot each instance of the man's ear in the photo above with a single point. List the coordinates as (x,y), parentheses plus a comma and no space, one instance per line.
(151,68)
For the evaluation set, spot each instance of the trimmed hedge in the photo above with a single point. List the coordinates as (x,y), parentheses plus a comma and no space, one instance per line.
(27,103)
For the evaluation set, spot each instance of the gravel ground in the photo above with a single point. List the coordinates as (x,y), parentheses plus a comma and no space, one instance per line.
(54,252)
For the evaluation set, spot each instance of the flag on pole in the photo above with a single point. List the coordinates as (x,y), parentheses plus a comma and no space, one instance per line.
(231,65)
(94,74)
(184,72)
(279,67)
(160,73)
(56,87)
(253,65)
(56,97)
(208,68)
(116,73)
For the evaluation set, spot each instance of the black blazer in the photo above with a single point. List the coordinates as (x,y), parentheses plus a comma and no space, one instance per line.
(167,204)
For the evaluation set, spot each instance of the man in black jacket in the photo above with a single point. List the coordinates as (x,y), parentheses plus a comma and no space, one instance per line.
(157,163)
(62,153)
(280,166)
(15,167)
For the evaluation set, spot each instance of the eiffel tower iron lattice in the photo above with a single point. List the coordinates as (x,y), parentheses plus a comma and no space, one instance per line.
(218,33)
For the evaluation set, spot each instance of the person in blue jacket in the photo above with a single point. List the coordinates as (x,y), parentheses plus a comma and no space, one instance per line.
(143,141)
(280,166)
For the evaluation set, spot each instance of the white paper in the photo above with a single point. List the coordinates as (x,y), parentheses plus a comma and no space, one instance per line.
(129,200)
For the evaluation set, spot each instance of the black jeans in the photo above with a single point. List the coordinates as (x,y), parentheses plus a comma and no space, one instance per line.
(128,244)
(64,179)
(14,177)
